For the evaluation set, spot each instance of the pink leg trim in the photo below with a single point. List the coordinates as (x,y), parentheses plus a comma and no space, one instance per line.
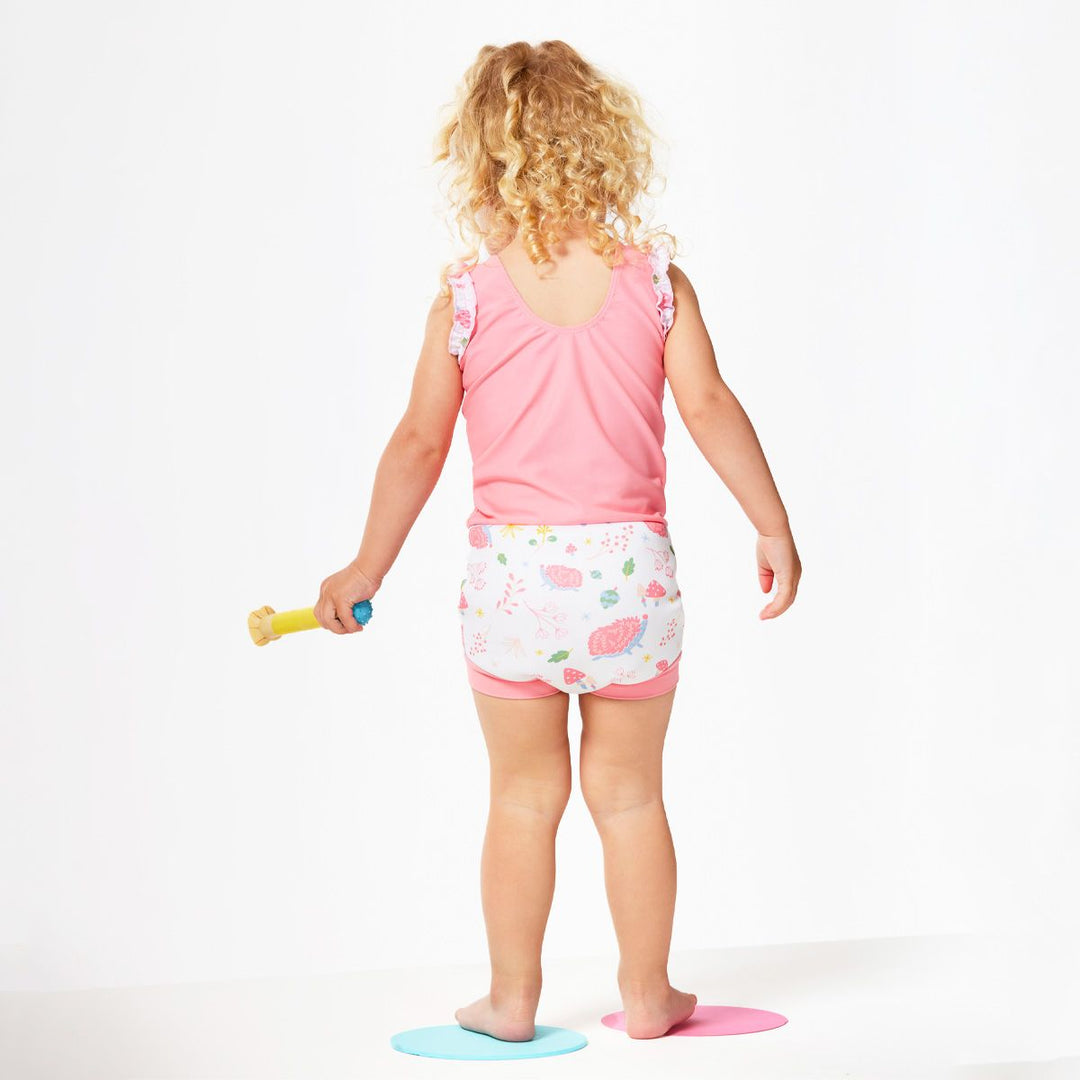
(507,688)
(661,684)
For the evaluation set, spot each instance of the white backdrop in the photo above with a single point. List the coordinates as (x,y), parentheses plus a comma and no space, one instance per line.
(219,234)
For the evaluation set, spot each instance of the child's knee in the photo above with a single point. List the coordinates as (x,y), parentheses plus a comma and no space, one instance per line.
(613,789)
(544,795)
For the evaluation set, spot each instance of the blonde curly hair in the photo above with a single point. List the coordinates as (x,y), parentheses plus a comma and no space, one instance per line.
(537,141)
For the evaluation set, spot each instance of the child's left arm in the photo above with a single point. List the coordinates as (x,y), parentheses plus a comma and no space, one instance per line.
(406,474)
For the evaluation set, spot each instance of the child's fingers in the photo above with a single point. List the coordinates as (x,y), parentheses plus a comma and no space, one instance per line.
(785,596)
(344,612)
(326,616)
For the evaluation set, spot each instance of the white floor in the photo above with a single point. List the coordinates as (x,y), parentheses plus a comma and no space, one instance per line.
(956,1007)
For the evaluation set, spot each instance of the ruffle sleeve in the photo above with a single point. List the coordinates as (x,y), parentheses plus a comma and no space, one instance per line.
(659,257)
(464,314)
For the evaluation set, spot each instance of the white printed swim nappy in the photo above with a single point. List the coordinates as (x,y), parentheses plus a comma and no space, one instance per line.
(579,606)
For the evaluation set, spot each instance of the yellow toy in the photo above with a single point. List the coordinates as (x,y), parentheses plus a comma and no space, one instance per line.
(267,625)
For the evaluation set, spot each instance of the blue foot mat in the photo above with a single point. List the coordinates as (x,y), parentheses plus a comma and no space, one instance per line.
(459,1044)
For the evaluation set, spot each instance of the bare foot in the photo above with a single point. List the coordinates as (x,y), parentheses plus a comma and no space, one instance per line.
(648,1016)
(511,1023)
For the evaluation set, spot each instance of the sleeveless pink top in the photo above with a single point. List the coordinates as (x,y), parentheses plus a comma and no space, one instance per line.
(565,423)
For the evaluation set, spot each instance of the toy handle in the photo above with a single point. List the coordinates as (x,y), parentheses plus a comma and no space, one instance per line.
(266,624)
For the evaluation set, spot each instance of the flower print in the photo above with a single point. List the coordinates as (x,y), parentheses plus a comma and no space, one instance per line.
(480,612)
(570,549)
(548,618)
(464,307)
(510,531)
(662,560)
(543,532)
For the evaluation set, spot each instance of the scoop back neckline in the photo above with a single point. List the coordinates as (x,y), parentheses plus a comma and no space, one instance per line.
(573,327)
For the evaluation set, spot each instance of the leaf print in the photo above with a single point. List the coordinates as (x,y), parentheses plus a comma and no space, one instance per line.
(514,585)
(595,573)
(562,654)
(514,646)
(502,557)
(628,567)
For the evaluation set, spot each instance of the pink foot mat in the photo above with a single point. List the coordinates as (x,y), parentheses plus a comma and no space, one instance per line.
(713,1020)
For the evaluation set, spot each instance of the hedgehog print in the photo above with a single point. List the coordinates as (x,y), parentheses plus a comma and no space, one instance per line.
(480,536)
(560,577)
(619,637)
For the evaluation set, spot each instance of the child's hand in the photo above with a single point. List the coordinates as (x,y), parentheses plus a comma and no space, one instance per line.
(338,593)
(777,558)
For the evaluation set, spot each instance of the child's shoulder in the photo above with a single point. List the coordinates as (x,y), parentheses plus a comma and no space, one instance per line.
(478,269)
(635,256)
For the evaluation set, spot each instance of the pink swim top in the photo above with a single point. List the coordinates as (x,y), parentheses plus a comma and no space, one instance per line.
(565,423)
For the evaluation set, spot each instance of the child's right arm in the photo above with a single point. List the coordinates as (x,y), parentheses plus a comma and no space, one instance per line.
(723,433)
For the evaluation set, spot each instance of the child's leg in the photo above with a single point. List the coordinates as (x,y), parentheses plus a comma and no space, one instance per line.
(529,755)
(621,762)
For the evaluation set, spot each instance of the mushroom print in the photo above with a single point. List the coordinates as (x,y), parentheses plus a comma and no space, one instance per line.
(654,591)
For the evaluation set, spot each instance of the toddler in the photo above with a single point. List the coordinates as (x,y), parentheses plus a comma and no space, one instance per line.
(556,347)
